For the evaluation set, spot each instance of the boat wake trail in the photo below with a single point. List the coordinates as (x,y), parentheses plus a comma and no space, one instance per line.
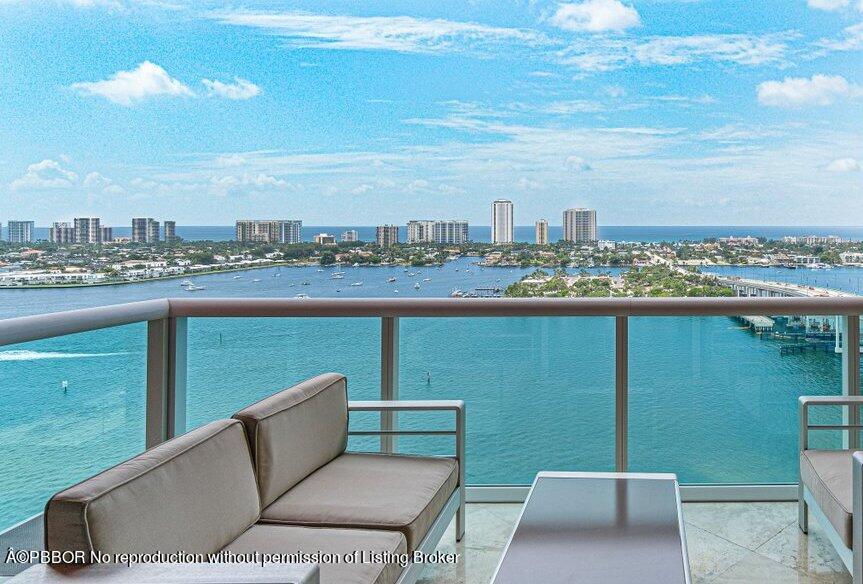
(23,355)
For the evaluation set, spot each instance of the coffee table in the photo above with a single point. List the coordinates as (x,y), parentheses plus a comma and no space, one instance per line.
(598,528)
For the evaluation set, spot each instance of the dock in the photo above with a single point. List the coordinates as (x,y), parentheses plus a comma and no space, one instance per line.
(759,324)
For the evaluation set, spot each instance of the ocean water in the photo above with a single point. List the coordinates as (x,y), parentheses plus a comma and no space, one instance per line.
(708,400)
(525,233)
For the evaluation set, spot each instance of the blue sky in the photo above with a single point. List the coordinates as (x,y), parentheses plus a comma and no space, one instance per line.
(651,111)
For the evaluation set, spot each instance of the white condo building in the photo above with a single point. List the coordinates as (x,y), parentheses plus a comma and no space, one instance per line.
(268,230)
(20,231)
(87,230)
(450,232)
(427,231)
(501,222)
(421,231)
(61,232)
(387,235)
(579,225)
(541,229)
(351,235)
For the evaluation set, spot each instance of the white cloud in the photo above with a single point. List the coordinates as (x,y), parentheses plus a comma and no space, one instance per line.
(596,16)
(572,106)
(47,174)
(230,160)
(577,163)
(239,89)
(391,33)
(128,87)
(606,54)
(843,165)
(851,40)
(827,4)
(795,92)
(94,180)
(261,180)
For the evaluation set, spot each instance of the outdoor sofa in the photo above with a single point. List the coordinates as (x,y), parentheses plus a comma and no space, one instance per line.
(831,482)
(274,479)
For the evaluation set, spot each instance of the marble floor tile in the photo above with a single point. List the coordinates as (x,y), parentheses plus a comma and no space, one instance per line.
(749,525)
(755,568)
(710,555)
(810,553)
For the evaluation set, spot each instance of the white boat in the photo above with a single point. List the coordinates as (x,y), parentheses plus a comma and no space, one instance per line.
(411,274)
(302,296)
(237,277)
(305,283)
(456,293)
(426,279)
(356,264)
(357,284)
(320,269)
(395,291)
(192,288)
(256,280)
(391,279)
(417,286)
(186,283)
(337,275)
(277,275)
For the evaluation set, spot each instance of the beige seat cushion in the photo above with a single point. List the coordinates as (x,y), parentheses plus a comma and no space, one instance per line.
(373,491)
(296,431)
(827,474)
(288,539)
(195,493)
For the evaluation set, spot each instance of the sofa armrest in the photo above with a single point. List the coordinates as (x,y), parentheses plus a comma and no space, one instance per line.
(807,401)
(454,405)
(407,405)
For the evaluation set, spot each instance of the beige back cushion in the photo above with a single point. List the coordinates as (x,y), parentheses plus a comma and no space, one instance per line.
(296,431)
(195,493)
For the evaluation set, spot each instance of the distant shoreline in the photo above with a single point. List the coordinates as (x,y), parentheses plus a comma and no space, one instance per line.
(158,279)
(308,265)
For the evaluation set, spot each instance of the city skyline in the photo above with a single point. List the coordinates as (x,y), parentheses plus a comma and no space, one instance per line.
(654,112)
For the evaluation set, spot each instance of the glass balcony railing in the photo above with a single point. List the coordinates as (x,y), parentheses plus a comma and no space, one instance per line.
(540,390)
(69,407)
(715,401)
(233,362)
(679,385)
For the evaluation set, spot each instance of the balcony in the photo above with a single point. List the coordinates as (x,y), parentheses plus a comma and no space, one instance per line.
(648,385)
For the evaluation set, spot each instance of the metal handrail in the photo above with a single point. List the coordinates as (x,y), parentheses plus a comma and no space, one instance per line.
(57,324)
(43,326)
(473,307)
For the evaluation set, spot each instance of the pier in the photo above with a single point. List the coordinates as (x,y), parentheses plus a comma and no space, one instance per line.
(759,324)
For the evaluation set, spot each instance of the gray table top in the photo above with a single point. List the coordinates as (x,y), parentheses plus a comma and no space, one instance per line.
(603,528)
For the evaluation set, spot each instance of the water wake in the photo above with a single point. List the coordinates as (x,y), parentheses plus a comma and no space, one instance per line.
(24,355)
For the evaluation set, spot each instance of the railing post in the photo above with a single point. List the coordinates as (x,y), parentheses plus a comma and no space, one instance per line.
(166,379)
(851,375)
(621,393)
(389,377)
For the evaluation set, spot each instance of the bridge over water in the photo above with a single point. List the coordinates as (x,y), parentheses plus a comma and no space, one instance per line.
(762,288)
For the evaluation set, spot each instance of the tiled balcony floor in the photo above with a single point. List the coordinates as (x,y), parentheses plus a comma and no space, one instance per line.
(729,543)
